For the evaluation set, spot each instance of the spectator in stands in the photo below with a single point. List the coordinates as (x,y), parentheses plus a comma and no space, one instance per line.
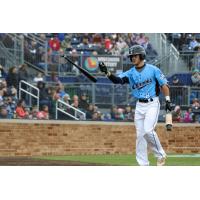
(115,51)
(107,43)
(3,113)
(96,109)
(195,61)
(195,103)
(62,68)
(33,112)
(96,116)
(44,113)
(43,36)
(83,103)
(2,72)
(131,39)
(177,114)
(176,81)
(151,52)
(12,77)
(121,45)
(23,76)
(44,98)
(97,38)
(54,43)
(31,51)
(113,112)
(120,114)
(53,97)
(176,92)
(195,77)
(10,105)
(3,89)
(12,92)
(54,77)
(189,116)
(140,39)
(75,98)
(21,112)
(60,89)
(66,98)
(66,43)
(39,77)
(94,53)
(75,104)
(196,109)
(106,117)
(193,43)
(90,111)
(128,113)
(75,59)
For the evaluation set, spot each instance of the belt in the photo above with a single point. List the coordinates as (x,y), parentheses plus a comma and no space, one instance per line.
(145,100)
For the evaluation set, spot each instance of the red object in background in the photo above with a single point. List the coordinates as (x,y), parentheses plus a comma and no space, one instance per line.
(54,44)
(42,115)
(21,113)
(107,43)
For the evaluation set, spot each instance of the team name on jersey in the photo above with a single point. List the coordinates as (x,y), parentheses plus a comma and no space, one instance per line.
(142,84)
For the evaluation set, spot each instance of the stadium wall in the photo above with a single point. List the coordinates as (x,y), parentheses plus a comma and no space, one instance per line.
(37,138)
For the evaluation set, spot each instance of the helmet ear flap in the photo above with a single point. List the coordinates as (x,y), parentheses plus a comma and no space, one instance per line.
(142,56)
(131,57)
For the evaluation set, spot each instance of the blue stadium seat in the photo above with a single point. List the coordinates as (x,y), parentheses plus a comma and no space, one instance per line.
(185,78)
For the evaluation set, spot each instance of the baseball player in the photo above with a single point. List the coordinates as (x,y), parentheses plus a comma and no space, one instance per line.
(145,81)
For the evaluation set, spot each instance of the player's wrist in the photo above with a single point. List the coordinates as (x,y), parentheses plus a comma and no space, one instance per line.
(108,73)
(167,98)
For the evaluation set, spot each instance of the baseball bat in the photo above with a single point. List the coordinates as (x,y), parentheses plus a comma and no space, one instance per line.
(85,72)
(168,121)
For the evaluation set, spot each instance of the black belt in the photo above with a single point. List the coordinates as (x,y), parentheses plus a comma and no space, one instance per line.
(145,100)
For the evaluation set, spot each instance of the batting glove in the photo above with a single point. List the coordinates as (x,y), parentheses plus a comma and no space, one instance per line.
(103,67)
(168,106)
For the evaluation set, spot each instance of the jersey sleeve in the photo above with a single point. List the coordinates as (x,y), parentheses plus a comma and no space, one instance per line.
(162,80)
(124,74)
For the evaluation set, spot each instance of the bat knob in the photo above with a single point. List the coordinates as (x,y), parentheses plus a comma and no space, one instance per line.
(169,127)
(64,56)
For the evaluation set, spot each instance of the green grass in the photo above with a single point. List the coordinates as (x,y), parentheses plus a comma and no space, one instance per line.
(127,160)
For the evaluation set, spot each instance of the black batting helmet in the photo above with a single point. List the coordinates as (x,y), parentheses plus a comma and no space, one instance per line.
(137,50)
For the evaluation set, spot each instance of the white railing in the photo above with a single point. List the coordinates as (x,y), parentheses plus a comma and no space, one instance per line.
(29,92)
(173,63)
(82,115)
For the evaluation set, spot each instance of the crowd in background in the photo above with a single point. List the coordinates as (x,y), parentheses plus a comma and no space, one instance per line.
(13,107)
(87,44)
(188,44)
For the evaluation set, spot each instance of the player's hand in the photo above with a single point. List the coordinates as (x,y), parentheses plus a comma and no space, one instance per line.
(103,67)
(168,106)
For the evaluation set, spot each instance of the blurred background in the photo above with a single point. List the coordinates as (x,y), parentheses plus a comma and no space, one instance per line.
(37,83)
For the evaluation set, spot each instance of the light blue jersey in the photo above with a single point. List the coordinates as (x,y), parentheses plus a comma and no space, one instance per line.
(143,83)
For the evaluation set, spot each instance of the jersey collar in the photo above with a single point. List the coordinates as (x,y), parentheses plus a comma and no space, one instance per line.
(141,68)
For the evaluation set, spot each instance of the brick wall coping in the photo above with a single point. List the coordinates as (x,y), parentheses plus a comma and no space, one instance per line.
(87,122)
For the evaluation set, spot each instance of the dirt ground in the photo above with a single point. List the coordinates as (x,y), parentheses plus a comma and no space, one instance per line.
(28,161)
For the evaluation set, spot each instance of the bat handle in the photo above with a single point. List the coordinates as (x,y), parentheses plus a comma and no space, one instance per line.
(168,121)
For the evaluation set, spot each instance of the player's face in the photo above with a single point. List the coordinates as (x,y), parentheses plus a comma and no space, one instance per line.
(136,59)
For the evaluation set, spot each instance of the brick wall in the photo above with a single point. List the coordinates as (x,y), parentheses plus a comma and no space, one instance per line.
(35,138)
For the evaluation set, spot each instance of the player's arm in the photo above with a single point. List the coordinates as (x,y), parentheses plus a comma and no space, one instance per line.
(113,78)
(166,92)
(162,81)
